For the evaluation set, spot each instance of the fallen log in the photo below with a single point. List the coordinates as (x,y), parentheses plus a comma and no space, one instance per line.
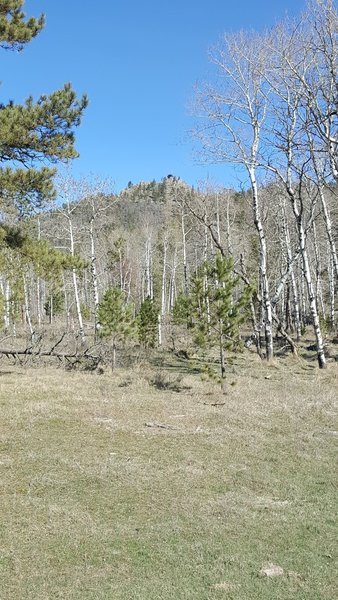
(68,356)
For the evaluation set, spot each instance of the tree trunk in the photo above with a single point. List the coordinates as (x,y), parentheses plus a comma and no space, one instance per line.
(266,301)
(75,284)
(26,308)
(184,246)
(319,294)
(7,310)
(331,275)
(296,310)
(93,272)
(311,297)
(148,276)
(164,279)
(78,304)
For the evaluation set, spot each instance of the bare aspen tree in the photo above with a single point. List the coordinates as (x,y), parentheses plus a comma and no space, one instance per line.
(172,286)
(332,292)
(319,85)
(69,193)
(322,192)
(177,215)
(93,270)
(290,264)
(164,278)
(6,294)
(184,251)
(148,273)
(287,155)
(318,271)
(228,223)
(318,41)
(234,110)
(26,308)
(162,313)
(38,281)
(95,200)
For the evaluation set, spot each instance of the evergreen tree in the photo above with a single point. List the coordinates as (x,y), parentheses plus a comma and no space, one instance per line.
(115,318)
(15,31)
(182,310)
(20,254)
(214,308)
(227,313)
(147,323)
(34,132)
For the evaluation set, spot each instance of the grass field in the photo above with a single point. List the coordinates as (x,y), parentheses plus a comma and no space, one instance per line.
(113,489)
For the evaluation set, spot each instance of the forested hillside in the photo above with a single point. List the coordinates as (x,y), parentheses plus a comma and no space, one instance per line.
(162,257)
(155,241)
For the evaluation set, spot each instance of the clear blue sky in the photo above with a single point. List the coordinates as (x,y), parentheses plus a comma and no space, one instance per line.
(138,62)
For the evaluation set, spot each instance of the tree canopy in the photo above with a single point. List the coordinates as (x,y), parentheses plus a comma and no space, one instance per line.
(35,132)
(15,30)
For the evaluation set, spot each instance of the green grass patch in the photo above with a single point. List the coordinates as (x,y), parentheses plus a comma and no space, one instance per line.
(129,492)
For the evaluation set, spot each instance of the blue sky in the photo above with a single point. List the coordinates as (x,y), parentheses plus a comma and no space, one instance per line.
(138,61)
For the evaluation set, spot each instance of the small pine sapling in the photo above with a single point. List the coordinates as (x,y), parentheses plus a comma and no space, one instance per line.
(115,319)
(215,309)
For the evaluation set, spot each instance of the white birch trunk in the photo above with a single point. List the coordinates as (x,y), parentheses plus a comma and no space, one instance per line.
(7,318)
(173,281)
(38,302)
(26,308)
(266,301)
(298,214)
(164,279)
(296,310)
(38,285)
(319,294)
(93,272)
(148,270)
(184,247)
(75,283)
(78,304)
(312,302)
(332,294)
(159,330)
(331,277)
(228,226)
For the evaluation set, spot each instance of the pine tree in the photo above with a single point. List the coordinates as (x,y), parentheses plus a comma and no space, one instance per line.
(15,31)
(147,323)
(115,318)
(20,255)
(182,310)
(33,132)
(215,308)
(227,313)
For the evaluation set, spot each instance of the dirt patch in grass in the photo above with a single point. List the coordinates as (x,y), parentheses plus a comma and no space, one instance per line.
(98,504)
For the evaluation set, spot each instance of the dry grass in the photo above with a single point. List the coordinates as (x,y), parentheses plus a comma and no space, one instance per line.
(111,488)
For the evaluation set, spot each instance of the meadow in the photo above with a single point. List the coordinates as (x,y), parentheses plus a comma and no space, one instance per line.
(149,485)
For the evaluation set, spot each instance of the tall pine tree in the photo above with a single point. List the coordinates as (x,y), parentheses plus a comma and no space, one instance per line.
(34,132)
